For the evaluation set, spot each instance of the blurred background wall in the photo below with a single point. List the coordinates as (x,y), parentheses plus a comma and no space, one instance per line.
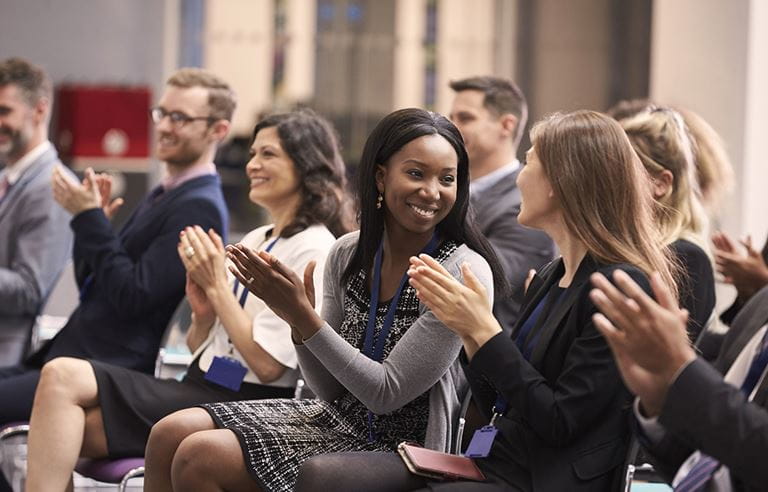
(356,60)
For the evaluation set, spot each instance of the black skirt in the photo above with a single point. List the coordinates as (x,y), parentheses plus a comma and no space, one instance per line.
(132,402)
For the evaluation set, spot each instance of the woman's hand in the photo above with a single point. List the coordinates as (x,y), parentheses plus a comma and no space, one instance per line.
(201,306)
(463,308)
(203,256)
(278,286)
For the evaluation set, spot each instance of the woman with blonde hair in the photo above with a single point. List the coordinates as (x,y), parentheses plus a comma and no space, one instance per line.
(551,391)
(661,140)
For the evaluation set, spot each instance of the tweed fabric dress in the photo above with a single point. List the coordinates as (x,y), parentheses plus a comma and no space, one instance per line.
(277,436)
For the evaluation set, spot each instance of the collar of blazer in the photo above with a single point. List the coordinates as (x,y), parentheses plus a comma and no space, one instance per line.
(41,164)
(166,198)
(752,316)
(540,287)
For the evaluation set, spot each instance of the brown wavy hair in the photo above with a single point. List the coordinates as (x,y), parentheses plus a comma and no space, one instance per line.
(603,190)
(311,143)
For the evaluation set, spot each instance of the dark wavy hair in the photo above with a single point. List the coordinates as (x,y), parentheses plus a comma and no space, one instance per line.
(390,135)
(311,143)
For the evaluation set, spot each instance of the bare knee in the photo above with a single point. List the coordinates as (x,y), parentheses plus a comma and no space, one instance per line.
(210,460)
(188,464)
(170,431)
(69,378)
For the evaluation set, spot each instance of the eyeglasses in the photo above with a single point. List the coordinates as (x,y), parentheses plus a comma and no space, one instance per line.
(178,119)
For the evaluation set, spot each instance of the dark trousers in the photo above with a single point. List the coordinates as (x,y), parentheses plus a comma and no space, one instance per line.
(17,392)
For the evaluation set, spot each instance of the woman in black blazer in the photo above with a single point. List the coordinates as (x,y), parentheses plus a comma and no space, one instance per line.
(562,408)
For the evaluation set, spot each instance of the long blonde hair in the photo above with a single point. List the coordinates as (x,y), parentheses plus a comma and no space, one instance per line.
(661,140)
(603,190)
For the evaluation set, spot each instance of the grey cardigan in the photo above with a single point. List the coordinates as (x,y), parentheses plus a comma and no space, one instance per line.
(425,358)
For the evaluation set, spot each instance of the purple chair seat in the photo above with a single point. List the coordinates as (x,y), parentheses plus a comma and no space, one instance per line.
(110,470)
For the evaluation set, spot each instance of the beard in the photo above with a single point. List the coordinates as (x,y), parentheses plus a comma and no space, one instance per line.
(14,147)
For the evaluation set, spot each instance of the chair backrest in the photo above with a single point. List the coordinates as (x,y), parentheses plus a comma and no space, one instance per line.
(58,306)
(174,356)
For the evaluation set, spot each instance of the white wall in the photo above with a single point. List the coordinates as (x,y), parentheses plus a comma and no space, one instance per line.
(90,41)
(712,56)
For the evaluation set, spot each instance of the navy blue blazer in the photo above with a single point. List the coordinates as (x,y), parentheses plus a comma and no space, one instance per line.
(567,423)
(131,282)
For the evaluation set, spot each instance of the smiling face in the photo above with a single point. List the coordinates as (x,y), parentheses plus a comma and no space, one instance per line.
(419,184)
(274,179)
(538,205)
(18,121)
(184,144)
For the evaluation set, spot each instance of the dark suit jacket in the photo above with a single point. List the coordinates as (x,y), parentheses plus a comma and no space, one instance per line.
(35,244)
(567,426)
(704,412)
(518,247)
(136,276)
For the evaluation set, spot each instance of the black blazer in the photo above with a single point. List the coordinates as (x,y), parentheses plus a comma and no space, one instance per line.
(567,426)
(137,278)
(704,412)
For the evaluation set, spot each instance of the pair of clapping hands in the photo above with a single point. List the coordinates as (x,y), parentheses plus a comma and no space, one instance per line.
(747,271)
(287,295)
(94,191)
(648,338)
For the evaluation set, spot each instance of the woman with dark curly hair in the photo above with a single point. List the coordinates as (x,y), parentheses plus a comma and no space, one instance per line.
(242,349)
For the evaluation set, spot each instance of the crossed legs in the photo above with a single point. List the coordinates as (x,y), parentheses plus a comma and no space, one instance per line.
(66,423)
(186,451)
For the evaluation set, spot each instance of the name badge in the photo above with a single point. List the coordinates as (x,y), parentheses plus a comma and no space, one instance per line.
(482,440)
(226,372)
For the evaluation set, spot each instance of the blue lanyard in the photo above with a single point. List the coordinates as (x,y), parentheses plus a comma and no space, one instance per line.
(244,293)
(376,353)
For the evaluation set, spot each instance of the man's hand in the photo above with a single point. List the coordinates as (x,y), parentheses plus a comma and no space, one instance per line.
(73,196)
(747,272)
(648,338)
(104,183)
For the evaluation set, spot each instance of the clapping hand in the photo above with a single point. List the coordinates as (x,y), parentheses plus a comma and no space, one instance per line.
(104,184)
(747,272)
(73,196)
(278,286)
(203,256)
(463,308)
(648,338)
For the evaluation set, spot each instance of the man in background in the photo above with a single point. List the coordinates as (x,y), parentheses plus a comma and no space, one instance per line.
(130,282)
(35,240)
(491,113)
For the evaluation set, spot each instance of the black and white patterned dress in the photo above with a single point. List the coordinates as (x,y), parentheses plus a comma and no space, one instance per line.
(277,436)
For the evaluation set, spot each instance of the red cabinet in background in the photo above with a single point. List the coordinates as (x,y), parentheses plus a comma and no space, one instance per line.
(106,127)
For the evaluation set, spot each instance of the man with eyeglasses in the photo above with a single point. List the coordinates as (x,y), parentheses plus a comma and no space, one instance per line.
(130,282)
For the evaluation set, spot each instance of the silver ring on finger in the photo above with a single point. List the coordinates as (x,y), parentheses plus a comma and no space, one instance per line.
(189,251)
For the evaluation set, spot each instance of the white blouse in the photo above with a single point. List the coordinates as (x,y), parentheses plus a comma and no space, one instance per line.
(269,330)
